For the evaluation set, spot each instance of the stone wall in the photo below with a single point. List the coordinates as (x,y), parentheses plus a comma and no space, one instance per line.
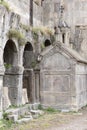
(51,13)
(63,79)
(22,7)
(17,33)
(57,83)
(81,85)
(75,13)
(81,40)
(56,80)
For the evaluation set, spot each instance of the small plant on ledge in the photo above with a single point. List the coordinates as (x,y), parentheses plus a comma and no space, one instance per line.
(7,66)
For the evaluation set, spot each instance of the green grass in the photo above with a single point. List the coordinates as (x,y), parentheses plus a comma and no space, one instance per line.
(5,124)
(50,119)
(7,66)
(51,110)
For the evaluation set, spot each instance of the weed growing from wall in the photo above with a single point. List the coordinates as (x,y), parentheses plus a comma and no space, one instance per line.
(7,66)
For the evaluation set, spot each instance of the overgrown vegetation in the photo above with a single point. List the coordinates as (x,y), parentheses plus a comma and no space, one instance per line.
(5,124)
(13,33)
(52,118)
(5,4)
(43,30)
(7,66)
(36,31)
(40,107)
(48,110)
(5,115)
(51,110)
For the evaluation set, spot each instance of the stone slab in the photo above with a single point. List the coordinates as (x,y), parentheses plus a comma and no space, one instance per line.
(24,96)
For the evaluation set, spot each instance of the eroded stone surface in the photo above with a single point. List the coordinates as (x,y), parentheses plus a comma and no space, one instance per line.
(34,68)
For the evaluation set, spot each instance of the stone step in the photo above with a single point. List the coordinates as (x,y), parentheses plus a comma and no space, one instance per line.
(13,118)
(40,112)
(27,112)
(36,113)
(24,120)
(18,111)
(28,116)
(23,109)
(12,111)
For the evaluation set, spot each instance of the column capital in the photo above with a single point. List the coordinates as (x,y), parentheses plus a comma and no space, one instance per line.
(15,70)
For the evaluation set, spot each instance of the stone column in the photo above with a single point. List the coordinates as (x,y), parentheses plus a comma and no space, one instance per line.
(13,80)
(32,75)
(20,58)
(37,85)
(38,45)
(2,70)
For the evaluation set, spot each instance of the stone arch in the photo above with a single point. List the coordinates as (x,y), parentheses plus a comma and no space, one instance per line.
(10,60)
(28,55)
(28,47)
(10,55)
(47,43)
(28,59)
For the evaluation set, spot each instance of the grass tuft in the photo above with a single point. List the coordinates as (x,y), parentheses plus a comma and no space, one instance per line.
(13,33)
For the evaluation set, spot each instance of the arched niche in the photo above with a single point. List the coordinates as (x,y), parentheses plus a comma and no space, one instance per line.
(10,59)
(63,37)
(10,55)
(47,43)
(28,59)
(28,56)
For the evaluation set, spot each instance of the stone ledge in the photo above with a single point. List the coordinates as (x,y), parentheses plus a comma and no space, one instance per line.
(14,70)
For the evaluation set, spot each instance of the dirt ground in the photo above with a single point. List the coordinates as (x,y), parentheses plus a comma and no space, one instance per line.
(57,121)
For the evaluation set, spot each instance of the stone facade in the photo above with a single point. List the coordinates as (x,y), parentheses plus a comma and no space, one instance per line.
(39,62)
(63,78)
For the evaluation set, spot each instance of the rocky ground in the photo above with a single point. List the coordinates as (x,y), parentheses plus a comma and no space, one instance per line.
(55,121)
